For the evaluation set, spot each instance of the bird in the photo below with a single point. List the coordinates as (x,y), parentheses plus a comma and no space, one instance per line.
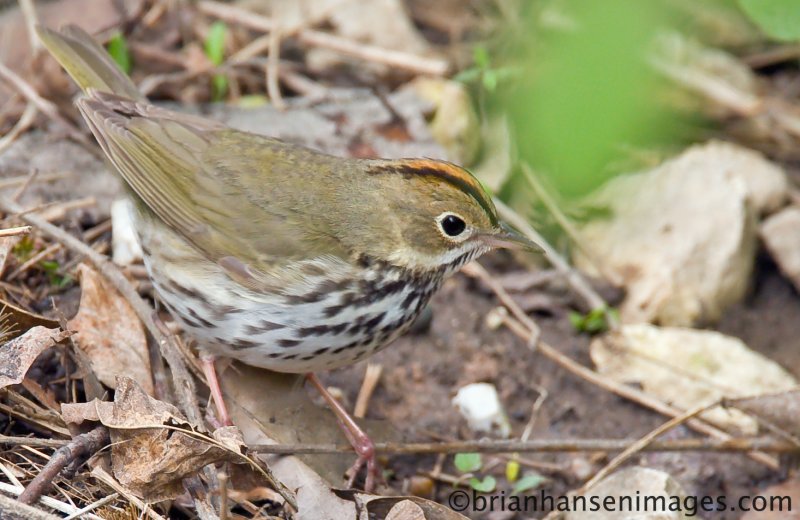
(274,254)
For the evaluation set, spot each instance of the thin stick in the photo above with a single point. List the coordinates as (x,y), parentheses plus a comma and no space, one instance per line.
(102,475)
(222,478)
(25,121)
(46,501)
(14,510)
(565,224)
(15,231)
(11,182)
(628,392)
(641,444)
(730,444)
(184,384)
(94,505)
(371,378)
(273,60)
(573,277)
(397,59)
(45,106)
(80,446)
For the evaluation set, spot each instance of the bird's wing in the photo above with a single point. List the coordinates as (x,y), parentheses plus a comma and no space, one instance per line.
(238,197)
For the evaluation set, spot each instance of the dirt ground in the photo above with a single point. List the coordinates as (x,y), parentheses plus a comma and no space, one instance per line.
(423,371)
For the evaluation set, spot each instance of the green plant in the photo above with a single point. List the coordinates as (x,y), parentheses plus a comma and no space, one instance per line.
(468,462)
(215,52)
(779,19)
(594,321)
(56,279)
(483,73)
(117,47)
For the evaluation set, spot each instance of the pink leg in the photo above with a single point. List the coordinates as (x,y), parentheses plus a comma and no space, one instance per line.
(360,441)
(216,392)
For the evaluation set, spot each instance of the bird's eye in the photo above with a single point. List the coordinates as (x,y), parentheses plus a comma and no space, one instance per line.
(452,225)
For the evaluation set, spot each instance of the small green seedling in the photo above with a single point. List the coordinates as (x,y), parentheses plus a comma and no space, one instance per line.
(118,49)
(593,322)
(468,462)
(215,52)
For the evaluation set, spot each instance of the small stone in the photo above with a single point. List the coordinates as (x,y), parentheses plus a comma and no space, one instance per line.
(480,405)
(780,235)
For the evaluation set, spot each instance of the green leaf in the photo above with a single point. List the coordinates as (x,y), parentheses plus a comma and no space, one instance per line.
(480,55)
(466,462)
(593,322)
(528,482)
(215,43)
(779,19)
(215,51)
(118,49)
(486,485)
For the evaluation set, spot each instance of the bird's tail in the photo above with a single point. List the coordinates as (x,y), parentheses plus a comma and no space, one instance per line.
(86,61)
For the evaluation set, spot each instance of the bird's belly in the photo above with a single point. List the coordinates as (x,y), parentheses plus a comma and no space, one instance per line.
(297,333)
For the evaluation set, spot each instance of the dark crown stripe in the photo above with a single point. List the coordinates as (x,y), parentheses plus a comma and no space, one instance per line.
(450,173)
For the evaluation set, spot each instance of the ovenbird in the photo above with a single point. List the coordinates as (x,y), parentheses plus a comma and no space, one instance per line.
(271,253)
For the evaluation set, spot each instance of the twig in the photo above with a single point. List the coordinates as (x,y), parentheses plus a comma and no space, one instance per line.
(45,106)
(94,505)
(640,445)
(25,121)
(475,270)
(103,476)
(398,59)
(271,70)
(222,478)
(184,384)
(15,231)
(11,182)
(371,378)
(46,501)
(628,392)
(573,277)
(564,222)
(731,444)
(32,441)
(80,446)
(14,510)
(24,186)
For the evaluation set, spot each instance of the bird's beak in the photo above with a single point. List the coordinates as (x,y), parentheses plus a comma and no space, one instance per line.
(507,238)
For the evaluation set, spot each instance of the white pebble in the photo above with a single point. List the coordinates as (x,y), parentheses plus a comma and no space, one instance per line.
(480,405)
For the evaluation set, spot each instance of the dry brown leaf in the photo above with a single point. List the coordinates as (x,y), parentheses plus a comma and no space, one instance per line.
(20,320)
(153,447)
(780,410)
(17,355)
(409,508)
(110,333)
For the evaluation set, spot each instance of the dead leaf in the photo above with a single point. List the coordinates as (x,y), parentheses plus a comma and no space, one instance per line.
(110,333)
(635,481)
(780,410)
(17,355)
(409,508)
(153,446)
(20,320)
(289,416)
(406,510)
(690,368)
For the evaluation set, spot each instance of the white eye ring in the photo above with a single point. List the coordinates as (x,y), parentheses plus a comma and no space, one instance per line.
(452,226)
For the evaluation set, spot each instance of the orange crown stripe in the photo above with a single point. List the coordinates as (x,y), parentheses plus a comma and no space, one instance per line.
(448,172)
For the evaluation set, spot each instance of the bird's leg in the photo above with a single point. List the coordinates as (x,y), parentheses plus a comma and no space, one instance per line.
(362,444)
(213,385)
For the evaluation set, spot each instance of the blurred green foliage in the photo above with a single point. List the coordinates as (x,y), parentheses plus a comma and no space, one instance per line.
(118,49)
(215,52)
(779,19)
(585,93)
